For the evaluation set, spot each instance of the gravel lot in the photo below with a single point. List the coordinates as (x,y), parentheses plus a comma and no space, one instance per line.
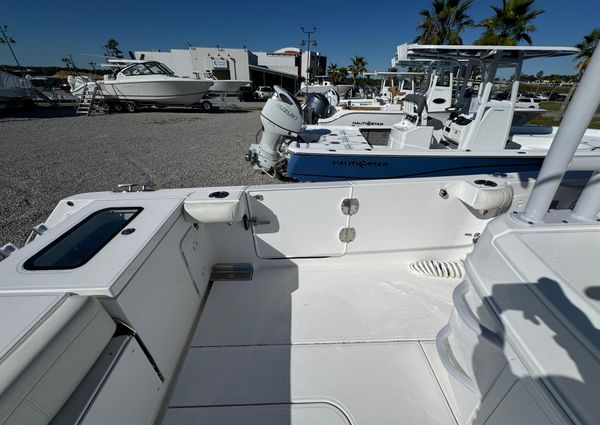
(48,154)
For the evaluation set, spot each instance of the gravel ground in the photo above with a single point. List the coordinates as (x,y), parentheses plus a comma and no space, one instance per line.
(48,154)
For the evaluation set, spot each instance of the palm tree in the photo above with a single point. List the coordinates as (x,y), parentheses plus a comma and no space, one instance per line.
(586,49)
(445,23)
(357,66)
(342,72)
(333,72)
(509,24)
(112,48)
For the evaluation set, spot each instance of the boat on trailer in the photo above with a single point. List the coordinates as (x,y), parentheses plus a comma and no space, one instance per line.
(292,304)
(478,137)
(140,82)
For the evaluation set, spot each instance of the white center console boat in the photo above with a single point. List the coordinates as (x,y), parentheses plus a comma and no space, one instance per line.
(332,303)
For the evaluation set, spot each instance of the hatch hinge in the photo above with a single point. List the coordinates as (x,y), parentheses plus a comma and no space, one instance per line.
(350,206)
(347,234)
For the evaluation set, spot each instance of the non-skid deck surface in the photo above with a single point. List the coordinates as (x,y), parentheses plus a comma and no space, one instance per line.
(310,346)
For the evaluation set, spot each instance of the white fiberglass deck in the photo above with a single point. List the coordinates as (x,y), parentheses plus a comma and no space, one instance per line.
(315,345)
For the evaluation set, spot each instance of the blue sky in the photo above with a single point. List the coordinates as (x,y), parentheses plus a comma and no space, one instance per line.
(46,31)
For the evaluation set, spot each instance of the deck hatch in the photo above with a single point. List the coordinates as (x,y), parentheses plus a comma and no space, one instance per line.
(79,244)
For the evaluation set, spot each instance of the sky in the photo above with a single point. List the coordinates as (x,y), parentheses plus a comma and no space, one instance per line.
(47,31)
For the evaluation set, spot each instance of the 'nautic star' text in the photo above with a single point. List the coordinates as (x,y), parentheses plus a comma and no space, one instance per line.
(361,164)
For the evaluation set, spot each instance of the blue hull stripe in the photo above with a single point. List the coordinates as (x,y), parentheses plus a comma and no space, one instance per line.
(341,167)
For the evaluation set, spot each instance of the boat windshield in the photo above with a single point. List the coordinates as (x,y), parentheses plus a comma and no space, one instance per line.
(147,68)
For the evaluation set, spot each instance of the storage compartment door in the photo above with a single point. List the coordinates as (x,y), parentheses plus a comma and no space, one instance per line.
(298,222)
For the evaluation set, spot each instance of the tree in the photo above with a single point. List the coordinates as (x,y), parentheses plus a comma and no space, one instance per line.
(357,66)
(445,22)
(112,49)
(392,69)
(342,72)
(332,71)
(510,24)
(586,49)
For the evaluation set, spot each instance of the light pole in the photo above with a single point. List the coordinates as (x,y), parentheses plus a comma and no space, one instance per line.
(308,43)
(9,40)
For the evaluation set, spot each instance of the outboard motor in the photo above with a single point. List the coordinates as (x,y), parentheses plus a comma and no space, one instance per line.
(315,107)
(281,118)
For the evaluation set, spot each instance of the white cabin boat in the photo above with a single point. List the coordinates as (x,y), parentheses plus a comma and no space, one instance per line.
(145,82)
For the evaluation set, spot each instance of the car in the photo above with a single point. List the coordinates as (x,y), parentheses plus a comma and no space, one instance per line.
(501,95)
(264,92)
(557,97)
(246,94)
(528,102)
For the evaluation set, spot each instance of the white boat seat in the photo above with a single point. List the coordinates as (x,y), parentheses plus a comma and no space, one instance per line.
(58,340)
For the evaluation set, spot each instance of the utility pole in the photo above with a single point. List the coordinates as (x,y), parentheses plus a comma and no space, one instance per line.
(5,38)
(308,43)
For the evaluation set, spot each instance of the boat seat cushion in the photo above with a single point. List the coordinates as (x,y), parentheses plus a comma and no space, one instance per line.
(43,367)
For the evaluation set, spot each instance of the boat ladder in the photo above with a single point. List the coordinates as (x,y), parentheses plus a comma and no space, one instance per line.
(90,98)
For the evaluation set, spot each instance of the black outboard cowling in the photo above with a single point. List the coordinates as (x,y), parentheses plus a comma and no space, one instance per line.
(315,107)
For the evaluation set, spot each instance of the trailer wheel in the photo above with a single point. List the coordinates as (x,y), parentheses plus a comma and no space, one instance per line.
(104,107)
(206,106)
(118,107)
(130,107)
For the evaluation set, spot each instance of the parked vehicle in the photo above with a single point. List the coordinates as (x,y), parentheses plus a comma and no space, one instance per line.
(557,97)
(528,102)
(264,92)
(246,94)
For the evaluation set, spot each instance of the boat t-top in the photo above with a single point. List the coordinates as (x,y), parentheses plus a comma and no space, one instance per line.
(479,135)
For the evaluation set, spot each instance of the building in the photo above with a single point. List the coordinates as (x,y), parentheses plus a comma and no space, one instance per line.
(282,67)
(290,60)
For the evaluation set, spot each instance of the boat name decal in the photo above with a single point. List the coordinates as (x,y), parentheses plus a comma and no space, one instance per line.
(366,123)
(361,164)
(287,112)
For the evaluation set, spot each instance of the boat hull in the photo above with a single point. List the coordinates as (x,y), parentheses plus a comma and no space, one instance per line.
(307,167)
(228,85)
(342,89)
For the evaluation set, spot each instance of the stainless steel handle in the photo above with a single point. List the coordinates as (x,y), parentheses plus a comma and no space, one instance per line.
(442,346)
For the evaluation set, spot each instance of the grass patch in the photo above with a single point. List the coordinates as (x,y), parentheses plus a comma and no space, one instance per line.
(550,106)
(543,88)
(554,122)
(555,106)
